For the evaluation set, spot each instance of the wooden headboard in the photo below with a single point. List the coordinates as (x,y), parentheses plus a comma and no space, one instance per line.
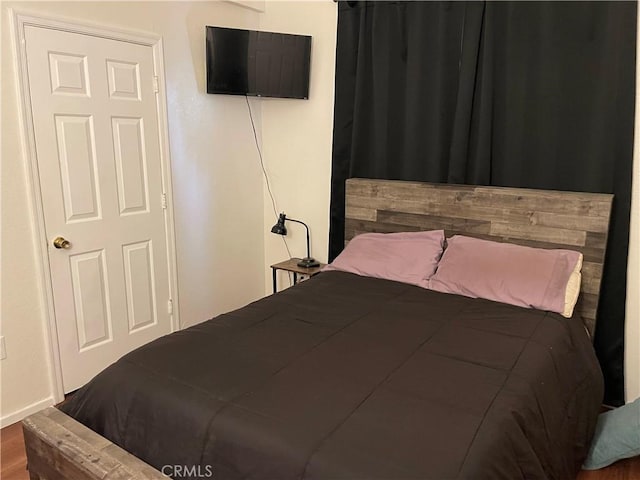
(536,218)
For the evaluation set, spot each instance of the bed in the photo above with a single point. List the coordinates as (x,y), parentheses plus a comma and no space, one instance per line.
(346,377)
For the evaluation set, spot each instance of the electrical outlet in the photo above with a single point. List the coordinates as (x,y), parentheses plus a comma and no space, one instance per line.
(3,350)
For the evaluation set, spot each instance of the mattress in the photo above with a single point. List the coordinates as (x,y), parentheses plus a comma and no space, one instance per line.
(349,377)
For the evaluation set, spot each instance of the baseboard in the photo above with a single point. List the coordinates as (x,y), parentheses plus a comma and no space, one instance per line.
(14,417)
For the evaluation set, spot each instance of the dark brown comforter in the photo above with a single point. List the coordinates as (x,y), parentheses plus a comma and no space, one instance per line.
(347,377)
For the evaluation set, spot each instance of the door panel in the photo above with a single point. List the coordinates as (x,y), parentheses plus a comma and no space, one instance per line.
(124,80)
(131,165)
(141,310)
(94,112)
(78,169)
(90,295)
(68,74)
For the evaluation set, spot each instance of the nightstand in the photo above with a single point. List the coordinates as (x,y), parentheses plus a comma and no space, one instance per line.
(291,265)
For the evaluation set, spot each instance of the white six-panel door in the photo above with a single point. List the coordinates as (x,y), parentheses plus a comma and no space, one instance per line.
(97,142)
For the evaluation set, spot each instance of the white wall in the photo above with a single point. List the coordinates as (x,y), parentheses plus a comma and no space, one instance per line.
(298,136)
(217,179)
(632,334)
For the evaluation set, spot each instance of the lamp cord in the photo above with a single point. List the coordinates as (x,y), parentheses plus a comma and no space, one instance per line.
(266,177)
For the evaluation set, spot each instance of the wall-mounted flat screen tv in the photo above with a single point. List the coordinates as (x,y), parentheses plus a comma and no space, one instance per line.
(263,64)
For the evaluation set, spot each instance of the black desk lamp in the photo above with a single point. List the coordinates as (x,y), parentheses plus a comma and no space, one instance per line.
(280,229)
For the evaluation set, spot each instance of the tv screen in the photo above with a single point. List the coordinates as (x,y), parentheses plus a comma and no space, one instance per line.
(263,64)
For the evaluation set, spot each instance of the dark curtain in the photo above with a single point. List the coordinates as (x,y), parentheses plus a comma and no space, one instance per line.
(521,94)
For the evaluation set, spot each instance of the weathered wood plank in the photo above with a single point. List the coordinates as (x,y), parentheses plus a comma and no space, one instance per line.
(393,188)
(590,224)
(361,213)
(143,470)
(371,186)
(591,277)
(559,236)
(571,203)
(596,240)
(59,447)
(587,306)
(355,227)
(536,218)
(434,222)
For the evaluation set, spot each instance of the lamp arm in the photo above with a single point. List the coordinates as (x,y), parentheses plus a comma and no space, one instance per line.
(305,226)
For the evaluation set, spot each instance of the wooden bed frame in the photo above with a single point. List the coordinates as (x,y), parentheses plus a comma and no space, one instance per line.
(58,447)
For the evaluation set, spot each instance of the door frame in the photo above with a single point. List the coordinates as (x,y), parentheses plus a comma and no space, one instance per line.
(19,20)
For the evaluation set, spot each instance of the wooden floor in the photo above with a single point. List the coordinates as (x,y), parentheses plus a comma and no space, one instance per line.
(14,462)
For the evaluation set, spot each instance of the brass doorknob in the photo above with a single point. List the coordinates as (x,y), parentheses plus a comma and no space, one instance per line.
(60,242)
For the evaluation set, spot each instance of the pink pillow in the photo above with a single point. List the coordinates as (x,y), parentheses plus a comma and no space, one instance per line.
(508,273)
(409,257)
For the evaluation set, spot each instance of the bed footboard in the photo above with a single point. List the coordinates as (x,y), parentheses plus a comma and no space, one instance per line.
(60,448)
